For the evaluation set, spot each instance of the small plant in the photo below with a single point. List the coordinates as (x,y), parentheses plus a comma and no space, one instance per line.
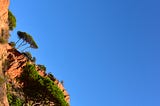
(33,59)
(14,100)
(2,80)
(62,82)
(28,55)
(51,76)
(3,40)
(13,44)
(41,67)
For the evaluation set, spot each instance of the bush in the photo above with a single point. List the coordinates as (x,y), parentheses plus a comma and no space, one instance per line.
(11,20)
(13,44)
(51,76)
(2,40)
(14,100)
(33,59)
(2,80)
(28,55)
(41,67)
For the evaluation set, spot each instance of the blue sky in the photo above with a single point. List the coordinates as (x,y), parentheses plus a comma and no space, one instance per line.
(106,51)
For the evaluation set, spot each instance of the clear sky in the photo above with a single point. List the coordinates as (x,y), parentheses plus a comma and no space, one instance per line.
(106,51)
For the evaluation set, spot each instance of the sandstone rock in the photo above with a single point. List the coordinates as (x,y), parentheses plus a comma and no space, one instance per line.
(3,28)
(4,13)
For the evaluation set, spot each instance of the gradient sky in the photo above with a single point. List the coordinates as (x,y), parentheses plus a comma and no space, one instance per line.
(106,51)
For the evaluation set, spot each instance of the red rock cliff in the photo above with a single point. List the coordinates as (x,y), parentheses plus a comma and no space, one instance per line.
(4,4)
(17,61)
(3,34)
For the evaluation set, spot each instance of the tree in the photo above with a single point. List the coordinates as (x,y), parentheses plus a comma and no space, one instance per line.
(26,39)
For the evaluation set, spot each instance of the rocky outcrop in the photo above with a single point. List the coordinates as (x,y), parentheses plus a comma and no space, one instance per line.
(17,61)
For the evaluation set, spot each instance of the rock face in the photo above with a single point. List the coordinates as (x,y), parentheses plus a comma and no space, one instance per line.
(3,34)
(3,96)
(4,4)
(17,61)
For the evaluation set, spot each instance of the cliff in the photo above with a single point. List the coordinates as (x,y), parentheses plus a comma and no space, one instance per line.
(15,67)
(4,34)
(22,81)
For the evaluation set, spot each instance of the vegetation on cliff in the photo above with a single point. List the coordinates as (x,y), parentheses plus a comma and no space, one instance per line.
(40,89)
(11,24)
(14,100)
(11,20)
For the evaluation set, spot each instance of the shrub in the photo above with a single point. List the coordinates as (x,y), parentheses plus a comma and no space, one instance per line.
(2,80)
(51,76)
(33,59)
(41,67)
(14,100)
(3,40)
(28,55)
(13,44)
(11,20)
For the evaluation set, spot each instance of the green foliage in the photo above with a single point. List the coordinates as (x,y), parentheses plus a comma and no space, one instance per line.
(51,76)
(2,80)
(27,38)
(14,100)
(38,88)
(3,40)
(41,67)
(33,59)
(28,55)
(13,95)
(13,44)
(11,20)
